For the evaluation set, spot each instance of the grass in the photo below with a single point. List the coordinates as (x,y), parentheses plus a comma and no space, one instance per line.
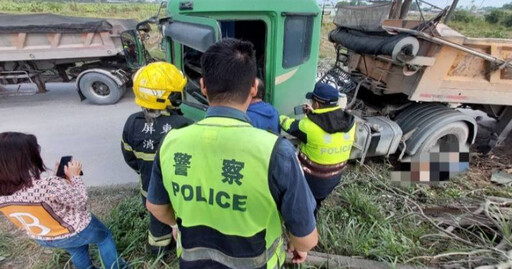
(361,218)
(138,11)
(326,47)
(480,28)
(119,207)
(495,24)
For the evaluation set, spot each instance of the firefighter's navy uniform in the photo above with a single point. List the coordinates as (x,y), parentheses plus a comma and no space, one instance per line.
(142,134)
(327,135)
(139,145)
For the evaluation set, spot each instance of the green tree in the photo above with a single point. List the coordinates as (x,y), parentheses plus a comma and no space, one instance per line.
(463,16)
(507,6)
(495,16)
(507,21)
(414,7)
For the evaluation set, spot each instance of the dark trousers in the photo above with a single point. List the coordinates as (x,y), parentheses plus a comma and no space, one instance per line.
(321,187)
(160,234)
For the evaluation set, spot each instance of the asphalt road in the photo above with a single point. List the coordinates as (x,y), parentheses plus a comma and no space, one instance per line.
(66,126)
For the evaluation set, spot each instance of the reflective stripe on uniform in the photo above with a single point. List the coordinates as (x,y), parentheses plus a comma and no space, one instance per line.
(325,148)
(285,122)
(144,156)
(202,253)
(159,241)
(139,155)
(126,146)
(142,191)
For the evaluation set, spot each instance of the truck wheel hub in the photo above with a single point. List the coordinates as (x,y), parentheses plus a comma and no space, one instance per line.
(100,88)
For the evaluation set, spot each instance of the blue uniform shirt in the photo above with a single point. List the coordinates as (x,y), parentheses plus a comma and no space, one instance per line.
(286,180)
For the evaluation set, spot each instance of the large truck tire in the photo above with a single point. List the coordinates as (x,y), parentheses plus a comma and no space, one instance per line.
(438,129)
(427,126)
(100,89)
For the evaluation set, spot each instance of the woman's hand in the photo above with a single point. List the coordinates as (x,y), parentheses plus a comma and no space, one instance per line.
(72,169)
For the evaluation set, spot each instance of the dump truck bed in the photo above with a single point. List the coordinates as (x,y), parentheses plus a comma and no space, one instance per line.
(459,76)
(51,37)
(446,73)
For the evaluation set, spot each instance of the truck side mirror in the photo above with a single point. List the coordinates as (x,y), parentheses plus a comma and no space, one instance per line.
(134,51)
(145,27)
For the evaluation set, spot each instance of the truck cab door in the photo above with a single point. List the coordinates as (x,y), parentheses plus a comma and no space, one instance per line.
(193,35)
(134,52)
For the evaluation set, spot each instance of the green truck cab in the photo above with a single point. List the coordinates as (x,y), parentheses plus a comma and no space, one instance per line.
(286,38)
(285,35)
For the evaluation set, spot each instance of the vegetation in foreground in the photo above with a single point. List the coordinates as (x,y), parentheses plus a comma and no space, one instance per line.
(138,11)
(366,217)
(496,24)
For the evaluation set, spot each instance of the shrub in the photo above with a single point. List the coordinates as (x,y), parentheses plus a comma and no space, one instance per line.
(463,16)
(507,21)
(495,16)
(36,7)
(129,224)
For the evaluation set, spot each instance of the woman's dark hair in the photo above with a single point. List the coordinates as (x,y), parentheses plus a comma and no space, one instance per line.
(20,162)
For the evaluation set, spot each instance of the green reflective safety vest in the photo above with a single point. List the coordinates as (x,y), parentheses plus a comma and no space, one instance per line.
(322,147)
(216,174)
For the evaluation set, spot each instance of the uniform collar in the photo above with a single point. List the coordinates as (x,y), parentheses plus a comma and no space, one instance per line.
(227,112)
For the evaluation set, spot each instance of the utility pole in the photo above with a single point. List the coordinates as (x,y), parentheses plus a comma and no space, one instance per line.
(450,12)
(405,9)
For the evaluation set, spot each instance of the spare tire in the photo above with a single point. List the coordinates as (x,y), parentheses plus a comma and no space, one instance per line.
(100,89)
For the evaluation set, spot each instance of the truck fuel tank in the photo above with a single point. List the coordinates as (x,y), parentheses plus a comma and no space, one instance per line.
(375,136)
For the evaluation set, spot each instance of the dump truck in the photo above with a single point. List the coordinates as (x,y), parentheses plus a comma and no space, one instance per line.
(40,48)
(405,89)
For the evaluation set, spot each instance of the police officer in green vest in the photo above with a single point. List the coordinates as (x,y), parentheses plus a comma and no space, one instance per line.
(226,187)
(326,134)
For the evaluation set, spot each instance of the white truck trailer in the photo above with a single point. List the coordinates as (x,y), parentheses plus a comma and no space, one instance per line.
(40,48)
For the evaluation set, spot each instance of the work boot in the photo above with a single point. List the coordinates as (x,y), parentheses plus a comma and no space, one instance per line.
(157,251)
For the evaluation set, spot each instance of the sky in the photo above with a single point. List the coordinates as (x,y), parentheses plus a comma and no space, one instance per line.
(478,3)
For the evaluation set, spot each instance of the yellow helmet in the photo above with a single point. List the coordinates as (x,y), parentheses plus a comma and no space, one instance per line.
(155,82)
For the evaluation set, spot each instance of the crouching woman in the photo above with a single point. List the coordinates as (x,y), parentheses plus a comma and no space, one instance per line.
(52,210)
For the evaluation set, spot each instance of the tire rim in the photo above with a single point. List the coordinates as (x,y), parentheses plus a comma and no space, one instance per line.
(100,88)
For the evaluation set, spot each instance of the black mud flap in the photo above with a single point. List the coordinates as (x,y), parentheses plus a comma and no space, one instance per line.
(82,97)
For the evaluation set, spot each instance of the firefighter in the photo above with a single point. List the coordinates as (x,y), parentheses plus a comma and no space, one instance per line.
(158,88)
(227,186)
(326,135)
